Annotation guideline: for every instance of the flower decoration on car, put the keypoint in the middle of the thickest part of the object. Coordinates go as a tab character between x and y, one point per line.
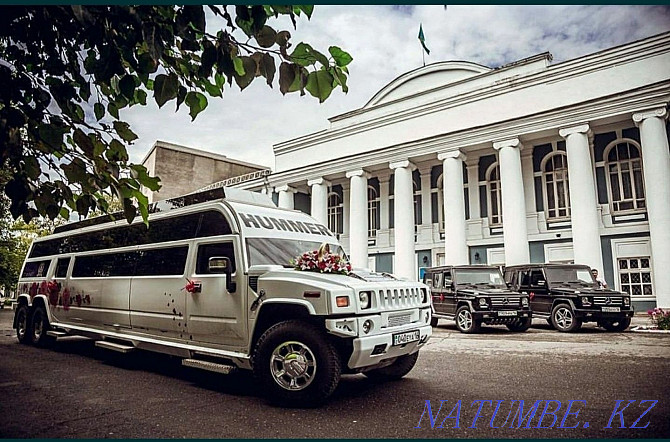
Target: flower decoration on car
322	261
191	286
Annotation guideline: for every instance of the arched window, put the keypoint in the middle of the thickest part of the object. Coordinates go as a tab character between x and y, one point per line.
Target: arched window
624	176
335	213
373	211
555	185
494	194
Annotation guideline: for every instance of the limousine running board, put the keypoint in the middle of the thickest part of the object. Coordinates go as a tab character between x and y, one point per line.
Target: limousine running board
56	334
209	366
114	346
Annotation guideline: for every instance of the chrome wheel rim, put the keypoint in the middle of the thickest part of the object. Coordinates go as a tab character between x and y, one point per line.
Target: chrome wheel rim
564	317
37	325
465	320
22	324
293	365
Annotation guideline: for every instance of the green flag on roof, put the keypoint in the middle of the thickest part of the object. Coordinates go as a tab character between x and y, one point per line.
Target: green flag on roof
422	39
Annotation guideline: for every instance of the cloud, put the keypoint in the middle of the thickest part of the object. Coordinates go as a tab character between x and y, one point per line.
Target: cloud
383	42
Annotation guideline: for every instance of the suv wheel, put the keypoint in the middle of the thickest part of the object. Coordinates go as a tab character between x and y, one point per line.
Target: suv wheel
23	324
397	370
465	322
563	319
295	364
520	325
615	325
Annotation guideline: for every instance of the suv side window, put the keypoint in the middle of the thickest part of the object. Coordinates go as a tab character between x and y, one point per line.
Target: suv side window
447	279
537	279
525	278
436	280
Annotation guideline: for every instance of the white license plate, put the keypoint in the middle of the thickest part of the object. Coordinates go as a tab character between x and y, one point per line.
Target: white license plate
507	313
612	309
406	338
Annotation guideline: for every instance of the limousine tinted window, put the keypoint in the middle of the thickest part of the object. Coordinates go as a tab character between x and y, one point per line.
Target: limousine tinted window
164	261
109	264
196	225
36	269
61	267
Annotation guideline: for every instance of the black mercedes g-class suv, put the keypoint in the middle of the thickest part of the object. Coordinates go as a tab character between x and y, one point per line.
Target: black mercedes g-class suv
472	295
567	295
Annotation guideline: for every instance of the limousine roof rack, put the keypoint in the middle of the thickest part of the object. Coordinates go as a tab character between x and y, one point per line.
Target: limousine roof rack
178	202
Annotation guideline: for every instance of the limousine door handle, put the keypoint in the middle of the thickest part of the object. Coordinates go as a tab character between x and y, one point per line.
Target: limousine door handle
197	287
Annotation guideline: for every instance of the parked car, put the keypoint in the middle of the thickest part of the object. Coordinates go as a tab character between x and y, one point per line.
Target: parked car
567	295
472	295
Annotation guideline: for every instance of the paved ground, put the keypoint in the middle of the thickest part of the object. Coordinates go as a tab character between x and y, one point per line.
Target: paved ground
78	390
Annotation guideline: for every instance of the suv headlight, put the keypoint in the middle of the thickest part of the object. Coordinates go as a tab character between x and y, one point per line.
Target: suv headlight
524	302
482	302
424	296
364	298
585	300
626	301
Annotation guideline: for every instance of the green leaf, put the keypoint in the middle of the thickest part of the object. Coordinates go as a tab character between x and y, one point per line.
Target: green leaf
307	9
32	167
129	210
146	64
341	57
286	77
123	130
266	37
113	110
219	80
84	143
282	38
320	84
305	55
51	135
249	68
267	68
340	78
64	213
140	173
165	88
140	97
127	86
212	89
239	66
196	102
116	151
99	111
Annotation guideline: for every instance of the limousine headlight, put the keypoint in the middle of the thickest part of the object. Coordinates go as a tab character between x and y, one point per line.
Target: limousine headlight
364	298
586	301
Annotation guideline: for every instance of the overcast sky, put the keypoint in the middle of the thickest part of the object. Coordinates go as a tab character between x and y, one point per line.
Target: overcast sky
383	42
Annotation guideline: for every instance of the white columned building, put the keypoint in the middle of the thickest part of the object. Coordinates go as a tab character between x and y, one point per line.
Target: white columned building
319	203
358	209
515	230
404	219
583	208
286	200
455	233
565	162
656	160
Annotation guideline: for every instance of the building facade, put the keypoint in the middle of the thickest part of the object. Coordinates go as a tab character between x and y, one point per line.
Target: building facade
460	163
184	170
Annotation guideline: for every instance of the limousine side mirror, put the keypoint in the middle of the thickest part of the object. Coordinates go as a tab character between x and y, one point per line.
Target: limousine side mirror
222	264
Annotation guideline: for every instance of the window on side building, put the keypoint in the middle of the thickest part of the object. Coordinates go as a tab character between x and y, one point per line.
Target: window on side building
555	180
625	177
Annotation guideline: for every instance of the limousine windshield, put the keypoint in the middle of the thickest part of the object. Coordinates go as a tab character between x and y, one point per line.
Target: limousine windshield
280	251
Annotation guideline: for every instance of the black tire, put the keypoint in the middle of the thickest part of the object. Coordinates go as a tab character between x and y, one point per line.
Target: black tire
563	319
433	321
309	351
551	324
403	365
520	325
39	326
615	325
465	322
22	324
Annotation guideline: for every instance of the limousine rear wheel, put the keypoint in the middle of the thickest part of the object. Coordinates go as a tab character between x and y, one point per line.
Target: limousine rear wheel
23	324
39	325
563	319
296	364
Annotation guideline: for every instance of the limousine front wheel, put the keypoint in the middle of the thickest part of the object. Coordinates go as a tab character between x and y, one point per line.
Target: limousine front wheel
296	364
22	324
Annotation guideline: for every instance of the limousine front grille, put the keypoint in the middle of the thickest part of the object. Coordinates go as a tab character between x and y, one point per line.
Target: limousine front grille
607	300
393	299
397	321
508	301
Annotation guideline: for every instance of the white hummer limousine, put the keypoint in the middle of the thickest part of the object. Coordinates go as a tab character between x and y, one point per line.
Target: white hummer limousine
211	281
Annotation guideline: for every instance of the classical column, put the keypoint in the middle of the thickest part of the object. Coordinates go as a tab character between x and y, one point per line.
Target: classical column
455	244
656	166
384	202
319	209
345	210
358	218
472	165
515	232
285	196
403	211
583	204
426	215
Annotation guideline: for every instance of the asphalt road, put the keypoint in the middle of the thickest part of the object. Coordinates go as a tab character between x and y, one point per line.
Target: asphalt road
78	390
